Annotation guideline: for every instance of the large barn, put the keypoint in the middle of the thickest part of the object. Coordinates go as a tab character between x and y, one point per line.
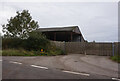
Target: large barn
67	34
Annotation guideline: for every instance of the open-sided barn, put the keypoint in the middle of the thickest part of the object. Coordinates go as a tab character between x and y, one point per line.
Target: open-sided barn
67	34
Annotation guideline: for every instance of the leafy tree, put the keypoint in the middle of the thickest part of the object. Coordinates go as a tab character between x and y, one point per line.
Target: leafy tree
20	25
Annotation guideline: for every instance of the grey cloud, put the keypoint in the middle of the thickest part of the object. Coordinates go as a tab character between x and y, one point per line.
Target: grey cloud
97	21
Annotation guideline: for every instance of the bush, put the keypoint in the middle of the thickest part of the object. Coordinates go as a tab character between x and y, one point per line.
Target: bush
30	46
36	41
11	43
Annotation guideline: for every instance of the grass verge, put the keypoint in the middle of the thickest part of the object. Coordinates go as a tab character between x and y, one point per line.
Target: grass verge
14	52
115	58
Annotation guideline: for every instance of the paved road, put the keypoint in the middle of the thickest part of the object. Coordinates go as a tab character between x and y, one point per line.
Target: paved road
91	64
18	70
57	67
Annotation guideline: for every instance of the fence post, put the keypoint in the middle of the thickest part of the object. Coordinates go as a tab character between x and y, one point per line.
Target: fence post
113	47
64	47
85	48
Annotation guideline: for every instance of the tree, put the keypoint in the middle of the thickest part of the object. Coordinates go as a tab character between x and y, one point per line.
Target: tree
20	25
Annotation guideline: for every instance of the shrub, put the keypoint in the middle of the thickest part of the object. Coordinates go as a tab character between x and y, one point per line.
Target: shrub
36	41
11	43
30	46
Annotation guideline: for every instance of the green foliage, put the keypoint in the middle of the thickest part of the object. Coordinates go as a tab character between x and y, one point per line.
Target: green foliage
22	52
20	25
30	46
115	58
11	43
14	52
53	50
36	41
20	34
11	52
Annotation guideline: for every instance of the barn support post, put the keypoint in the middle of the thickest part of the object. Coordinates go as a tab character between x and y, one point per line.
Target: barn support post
71	36
55	36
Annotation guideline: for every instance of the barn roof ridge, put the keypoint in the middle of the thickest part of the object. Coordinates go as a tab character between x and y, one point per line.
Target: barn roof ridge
59	27
67	28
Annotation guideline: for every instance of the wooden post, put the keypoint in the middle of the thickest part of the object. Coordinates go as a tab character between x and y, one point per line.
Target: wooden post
55	36
71	37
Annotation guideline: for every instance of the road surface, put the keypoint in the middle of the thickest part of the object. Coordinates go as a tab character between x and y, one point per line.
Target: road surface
51	68
17	70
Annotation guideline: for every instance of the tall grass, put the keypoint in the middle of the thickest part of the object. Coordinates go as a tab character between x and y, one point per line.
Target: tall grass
22	52
14	52
115	58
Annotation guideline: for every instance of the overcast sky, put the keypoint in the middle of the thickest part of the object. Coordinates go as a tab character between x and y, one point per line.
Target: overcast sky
97	20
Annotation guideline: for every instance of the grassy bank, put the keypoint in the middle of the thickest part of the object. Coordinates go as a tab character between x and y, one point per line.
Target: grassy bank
115	58
14	52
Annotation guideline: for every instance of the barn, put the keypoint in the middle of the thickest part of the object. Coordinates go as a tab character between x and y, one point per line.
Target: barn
67	34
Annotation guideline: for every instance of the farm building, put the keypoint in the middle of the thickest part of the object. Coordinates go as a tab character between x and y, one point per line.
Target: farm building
66	34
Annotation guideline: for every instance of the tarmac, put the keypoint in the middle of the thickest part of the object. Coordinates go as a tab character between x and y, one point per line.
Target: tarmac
92	64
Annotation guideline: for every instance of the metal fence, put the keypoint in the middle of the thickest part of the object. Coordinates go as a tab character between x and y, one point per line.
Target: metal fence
89	48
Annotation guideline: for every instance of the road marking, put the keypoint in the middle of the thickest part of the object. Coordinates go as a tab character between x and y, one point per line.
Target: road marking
15	62
39	67
116	79
77	73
